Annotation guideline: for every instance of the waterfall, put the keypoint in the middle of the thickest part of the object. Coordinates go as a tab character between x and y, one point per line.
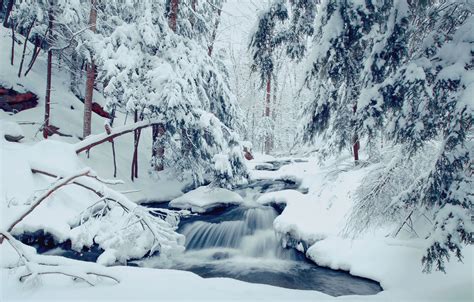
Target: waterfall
251	235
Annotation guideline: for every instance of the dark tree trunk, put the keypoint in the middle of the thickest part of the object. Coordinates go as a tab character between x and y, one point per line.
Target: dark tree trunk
90	79
24	46
268	138
35	54
355	142
47	101
12	56
136	141
7	12
173	15
214	33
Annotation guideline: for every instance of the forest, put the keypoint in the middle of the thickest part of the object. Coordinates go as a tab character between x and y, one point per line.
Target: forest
236	150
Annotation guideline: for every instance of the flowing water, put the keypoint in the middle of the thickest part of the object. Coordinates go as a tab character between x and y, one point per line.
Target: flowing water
240	243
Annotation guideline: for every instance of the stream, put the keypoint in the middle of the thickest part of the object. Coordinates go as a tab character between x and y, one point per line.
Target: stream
236	242
240	243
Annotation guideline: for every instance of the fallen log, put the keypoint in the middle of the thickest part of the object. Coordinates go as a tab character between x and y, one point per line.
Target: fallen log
12	101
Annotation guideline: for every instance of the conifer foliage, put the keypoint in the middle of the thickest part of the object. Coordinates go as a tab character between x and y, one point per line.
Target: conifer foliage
402	72
151	60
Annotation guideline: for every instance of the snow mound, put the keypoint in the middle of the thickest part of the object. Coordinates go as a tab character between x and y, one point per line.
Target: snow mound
10	128
205	199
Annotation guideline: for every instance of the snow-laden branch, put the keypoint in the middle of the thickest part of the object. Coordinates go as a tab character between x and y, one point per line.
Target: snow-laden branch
94	140
38	200
33	265
162	228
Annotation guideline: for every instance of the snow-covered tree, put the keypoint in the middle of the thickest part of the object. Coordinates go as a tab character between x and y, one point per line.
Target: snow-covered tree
417	93
401	71
169	77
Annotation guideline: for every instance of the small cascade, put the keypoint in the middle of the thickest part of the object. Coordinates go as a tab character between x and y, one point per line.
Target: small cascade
251	234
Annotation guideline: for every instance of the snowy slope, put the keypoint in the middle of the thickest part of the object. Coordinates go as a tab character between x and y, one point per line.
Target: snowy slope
67	114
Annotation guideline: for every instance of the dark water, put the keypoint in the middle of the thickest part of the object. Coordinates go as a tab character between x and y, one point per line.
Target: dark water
240	243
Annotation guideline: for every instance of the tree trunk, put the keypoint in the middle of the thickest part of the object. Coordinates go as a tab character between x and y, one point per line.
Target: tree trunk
173	15
90	79
47	101
7	12
34	55
214	33
24	46
136	135
268	139
192	19
355	142
12	56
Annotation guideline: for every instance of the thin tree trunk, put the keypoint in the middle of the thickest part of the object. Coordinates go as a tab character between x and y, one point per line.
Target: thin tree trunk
173	15
114	158
214	33
12	56
7	12
24	46
90	79
34	55
267	113
47	101
137	133
355	142
36	52
108	130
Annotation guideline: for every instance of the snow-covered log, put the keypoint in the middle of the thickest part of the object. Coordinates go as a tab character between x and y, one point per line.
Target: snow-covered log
94	140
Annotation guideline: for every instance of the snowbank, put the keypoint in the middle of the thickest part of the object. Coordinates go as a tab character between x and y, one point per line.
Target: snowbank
205	199
140	284
396	264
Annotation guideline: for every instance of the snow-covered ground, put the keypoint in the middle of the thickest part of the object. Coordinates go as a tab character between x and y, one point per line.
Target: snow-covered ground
316	219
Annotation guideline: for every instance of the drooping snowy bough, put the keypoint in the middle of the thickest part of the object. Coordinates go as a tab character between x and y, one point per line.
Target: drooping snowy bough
122	228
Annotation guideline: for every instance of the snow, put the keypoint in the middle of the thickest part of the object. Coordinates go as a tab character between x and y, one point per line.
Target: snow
316	218
317	222
10	128
205	199
396	265
139	284
281	197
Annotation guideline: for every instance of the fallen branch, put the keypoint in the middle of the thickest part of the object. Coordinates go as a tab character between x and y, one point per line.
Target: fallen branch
60	183
94	140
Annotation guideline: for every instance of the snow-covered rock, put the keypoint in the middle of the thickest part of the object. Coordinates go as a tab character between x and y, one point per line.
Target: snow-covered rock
280	197
10	128
205	199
